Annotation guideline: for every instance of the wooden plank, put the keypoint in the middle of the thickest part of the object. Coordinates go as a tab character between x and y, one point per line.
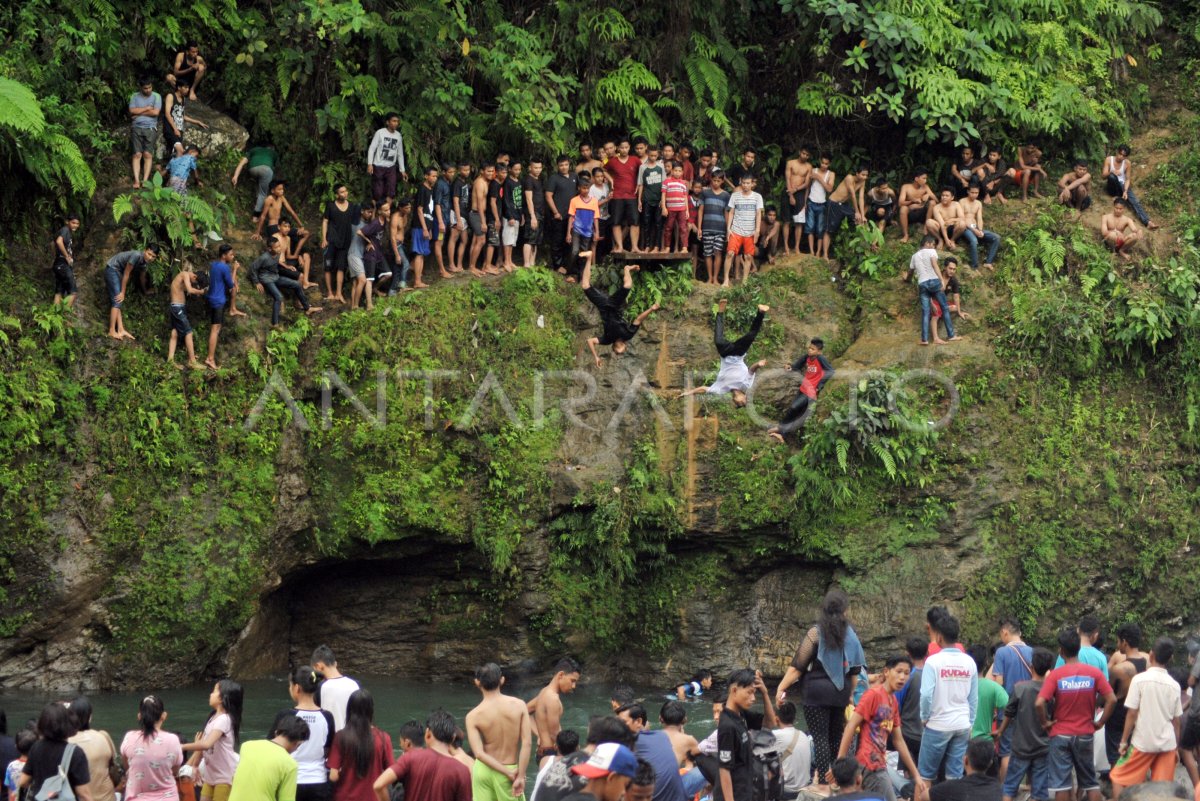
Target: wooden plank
653	257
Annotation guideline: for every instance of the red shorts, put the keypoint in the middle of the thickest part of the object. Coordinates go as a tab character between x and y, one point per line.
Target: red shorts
740	244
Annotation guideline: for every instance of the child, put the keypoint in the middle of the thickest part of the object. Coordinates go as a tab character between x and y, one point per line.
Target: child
817	371
1030	742
601	192
273	208
651	176
397	278
1030	170
219	741
878	718
221	285
582	219
25	740
294	256
181	286
674	207
881	203
768	241
695	204
703	680
182	167
64	262
1120	231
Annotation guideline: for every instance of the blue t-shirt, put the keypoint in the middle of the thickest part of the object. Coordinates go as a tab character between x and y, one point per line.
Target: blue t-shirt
441	197
1090	655
654	746
139	100
1009	665
715	204
182	166
220	284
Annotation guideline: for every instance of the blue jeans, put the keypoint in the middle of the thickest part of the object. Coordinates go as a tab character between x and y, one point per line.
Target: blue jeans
693	782
1136	205
938	746
814	219
273	288
990	239
932	290
1039	781
1069	752
112	279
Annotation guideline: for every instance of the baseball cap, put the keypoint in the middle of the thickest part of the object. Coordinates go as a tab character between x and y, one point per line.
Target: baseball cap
608	758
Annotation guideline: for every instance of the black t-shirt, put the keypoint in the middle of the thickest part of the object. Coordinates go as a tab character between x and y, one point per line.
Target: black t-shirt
43	762
514	200
496	193
65	233
735	752
997	170
462	190
976	787
8	750
562	188
425	205
560	784
953	287
340	231
535	185
739	170
857	796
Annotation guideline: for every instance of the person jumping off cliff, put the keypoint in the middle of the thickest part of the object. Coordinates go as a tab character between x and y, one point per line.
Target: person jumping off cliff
734	377
817	372
617	332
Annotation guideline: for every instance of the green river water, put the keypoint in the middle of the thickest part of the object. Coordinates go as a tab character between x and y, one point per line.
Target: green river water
396	702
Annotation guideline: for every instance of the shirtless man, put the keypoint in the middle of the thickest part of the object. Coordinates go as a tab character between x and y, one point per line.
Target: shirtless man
848	200
479	200
1030	170
1120	231
915	199
181	287
546	707
947	221
798	177
189	67
974	232
672	716
1074	188
273	208
1125	663
499	733
587	162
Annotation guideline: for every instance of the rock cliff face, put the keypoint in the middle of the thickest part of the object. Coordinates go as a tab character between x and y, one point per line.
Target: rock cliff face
648	535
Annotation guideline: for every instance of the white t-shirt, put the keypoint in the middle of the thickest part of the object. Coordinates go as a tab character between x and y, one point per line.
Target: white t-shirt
817	193
310	756
1156	697
600	192
734	374
745	212
797	766
922	263
335	693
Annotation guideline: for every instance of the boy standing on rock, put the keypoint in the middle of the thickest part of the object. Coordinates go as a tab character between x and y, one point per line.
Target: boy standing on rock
499	733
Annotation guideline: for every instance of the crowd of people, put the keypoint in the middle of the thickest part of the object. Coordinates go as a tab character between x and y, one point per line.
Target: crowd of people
941	721
625	197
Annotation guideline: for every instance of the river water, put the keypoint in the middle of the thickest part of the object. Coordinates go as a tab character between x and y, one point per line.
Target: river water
396	702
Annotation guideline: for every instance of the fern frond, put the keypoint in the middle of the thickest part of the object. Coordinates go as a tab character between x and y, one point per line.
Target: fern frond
843	454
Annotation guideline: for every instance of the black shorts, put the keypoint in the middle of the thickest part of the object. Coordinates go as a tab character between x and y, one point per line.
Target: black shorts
1190	734
64	280
475	223
493	234
216	314
322	791
838	213
917	214
179	319
532	236
623	212
336	259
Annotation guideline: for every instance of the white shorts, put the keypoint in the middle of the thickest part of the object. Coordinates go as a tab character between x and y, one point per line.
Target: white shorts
798	219
453	218
355	267
510	232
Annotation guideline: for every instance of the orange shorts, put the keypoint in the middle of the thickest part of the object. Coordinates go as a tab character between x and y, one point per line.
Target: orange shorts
1133	770
740	244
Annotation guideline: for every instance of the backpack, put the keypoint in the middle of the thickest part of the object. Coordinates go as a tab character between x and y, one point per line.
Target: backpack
58	787
765	768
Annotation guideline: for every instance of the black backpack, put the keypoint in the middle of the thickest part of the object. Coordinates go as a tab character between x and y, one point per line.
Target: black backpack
765	767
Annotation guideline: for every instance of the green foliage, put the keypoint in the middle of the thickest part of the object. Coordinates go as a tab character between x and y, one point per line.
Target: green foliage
160	214
38	146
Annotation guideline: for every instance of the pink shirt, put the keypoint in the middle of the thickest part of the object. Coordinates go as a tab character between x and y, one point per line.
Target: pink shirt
220	761
152	764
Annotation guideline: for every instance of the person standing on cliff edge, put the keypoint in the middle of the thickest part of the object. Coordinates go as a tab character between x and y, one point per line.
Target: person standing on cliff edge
499	733
335	689
546	707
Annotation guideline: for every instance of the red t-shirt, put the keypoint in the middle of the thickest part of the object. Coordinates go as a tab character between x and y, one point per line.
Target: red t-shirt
430	776
350	786
1074	688
624	177
881	716
675	191
934	648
